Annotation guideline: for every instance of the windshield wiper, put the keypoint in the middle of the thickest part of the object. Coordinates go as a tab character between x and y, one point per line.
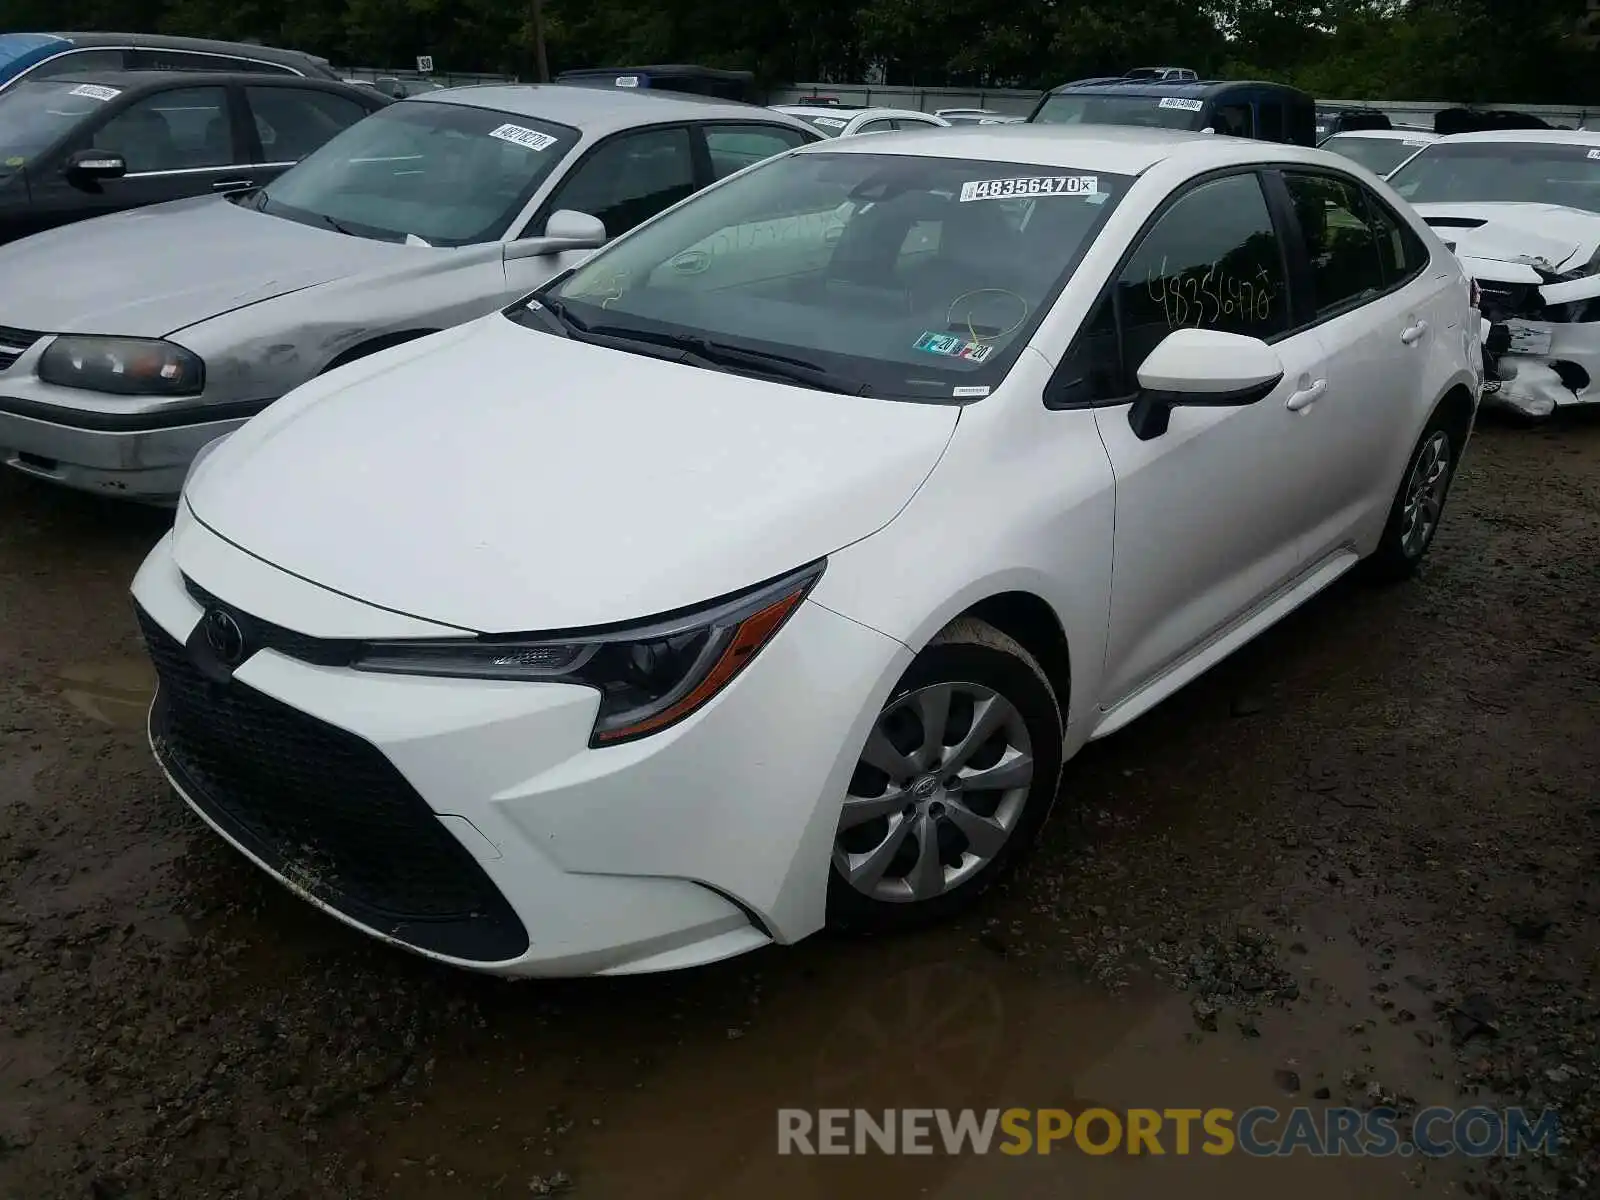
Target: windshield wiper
762	362
335	226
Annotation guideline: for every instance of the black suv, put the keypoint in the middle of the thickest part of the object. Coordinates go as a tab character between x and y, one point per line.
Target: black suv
1271	112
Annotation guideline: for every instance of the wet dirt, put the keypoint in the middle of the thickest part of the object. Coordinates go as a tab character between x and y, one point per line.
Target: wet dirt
1304	880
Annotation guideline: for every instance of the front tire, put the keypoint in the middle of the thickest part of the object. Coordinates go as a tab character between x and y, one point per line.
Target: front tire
957	776
1418	504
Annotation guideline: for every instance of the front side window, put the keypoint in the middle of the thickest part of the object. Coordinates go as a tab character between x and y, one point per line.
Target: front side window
291	122
1340	238
893	275
1517	172
630	178
1270	125
1213	261
181	130
1235	120
735	147
448	174
1378	155
1162	112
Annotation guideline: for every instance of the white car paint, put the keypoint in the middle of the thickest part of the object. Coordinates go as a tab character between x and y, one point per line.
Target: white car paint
848	122
576	485
1553	363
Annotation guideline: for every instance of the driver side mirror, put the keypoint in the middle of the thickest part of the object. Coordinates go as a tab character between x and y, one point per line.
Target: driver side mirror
1201	367
566	230
93	166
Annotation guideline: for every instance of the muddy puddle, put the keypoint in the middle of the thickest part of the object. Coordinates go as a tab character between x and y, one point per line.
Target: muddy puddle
689	1110
115	693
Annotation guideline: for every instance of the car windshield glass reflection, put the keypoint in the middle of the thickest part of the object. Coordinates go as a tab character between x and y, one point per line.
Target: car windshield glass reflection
447	174
1161	112
1521	172
888	275
35	114
1378	155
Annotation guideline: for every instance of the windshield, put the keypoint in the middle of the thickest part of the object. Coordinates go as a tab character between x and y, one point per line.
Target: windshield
445	173
1163	112
1378	155
37	113
1522	172
915	278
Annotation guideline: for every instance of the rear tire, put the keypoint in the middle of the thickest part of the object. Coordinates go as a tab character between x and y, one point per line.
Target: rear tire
1418	504
957	777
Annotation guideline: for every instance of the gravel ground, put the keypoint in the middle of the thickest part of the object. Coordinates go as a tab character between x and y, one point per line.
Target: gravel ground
1355	863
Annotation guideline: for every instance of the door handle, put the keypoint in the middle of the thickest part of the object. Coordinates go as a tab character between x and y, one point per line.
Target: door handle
231	185
1307	396
1412	334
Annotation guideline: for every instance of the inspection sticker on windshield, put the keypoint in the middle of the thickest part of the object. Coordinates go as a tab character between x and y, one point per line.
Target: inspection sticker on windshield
530	139
1181	102
952	346
95	92
830	122
1038	185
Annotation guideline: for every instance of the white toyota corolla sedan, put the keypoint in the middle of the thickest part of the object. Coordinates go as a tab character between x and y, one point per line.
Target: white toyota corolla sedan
759	574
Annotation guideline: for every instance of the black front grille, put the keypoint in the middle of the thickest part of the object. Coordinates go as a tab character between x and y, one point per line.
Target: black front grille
323	808
14	343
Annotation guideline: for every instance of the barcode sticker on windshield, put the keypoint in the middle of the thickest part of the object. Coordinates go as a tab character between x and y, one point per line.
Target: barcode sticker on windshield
95	92
1594	154
1037	185
830	122
1181	102
530	139
1415	142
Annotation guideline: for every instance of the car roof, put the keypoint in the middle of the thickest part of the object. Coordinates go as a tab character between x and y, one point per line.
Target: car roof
1386	135
162	41
600	111
1196	89
1557	137
1114	149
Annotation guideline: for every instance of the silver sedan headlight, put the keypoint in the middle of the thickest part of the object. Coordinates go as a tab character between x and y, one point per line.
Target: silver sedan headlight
122	366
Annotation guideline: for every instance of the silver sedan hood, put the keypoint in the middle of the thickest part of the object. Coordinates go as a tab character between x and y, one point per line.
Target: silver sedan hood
152	271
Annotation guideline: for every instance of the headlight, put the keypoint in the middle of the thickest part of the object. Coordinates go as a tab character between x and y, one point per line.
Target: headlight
122	366
649	676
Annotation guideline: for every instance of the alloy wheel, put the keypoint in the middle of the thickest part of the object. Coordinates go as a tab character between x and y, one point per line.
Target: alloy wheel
937	793
1425	492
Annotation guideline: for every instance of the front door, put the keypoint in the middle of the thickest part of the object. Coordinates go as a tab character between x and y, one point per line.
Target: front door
1209	514
177	142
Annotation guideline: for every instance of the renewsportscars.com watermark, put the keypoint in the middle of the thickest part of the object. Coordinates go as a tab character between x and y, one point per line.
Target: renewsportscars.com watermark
1260	1132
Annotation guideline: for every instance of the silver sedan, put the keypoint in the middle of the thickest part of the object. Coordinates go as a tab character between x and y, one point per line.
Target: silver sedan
129	342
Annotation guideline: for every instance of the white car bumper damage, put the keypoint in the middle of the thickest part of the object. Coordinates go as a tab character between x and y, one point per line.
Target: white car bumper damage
1540	295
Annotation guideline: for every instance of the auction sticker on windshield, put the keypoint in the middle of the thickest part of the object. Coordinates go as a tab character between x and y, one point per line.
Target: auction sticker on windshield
95	92
1180	102
530	139
1594	154
830	122
1038	185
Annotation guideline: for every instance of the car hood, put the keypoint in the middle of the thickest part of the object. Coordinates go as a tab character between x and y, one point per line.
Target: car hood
500	479
1550	235
152	271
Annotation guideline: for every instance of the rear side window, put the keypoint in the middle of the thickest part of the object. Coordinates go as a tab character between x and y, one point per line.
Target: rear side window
1401	252
735	147
291	122
1235	120
1341	242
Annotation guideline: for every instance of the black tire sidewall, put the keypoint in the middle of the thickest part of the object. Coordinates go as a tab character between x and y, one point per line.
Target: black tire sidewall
1021	683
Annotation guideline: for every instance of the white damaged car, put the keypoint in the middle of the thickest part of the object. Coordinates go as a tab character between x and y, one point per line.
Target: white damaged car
1521	209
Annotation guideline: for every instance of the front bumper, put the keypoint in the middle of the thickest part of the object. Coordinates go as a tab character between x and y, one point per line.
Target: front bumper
133	456
469	821
1536	384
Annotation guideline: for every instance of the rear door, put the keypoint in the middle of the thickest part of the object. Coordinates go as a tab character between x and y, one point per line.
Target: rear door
178	141
1377	307
284	123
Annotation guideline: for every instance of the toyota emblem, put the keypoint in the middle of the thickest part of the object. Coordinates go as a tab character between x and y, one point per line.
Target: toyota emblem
224	637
